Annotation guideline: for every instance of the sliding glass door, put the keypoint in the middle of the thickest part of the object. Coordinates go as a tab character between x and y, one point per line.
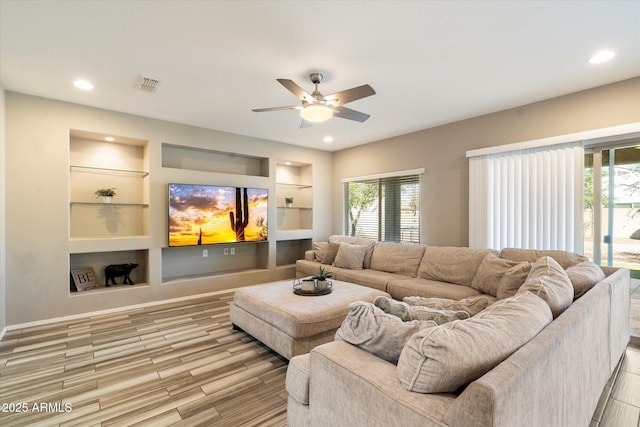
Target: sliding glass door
612	207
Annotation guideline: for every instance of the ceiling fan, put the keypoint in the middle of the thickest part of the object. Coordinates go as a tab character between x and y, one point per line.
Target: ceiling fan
316	108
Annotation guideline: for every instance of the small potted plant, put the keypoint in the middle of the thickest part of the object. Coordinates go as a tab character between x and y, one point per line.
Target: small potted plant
321	279
288	202
106	194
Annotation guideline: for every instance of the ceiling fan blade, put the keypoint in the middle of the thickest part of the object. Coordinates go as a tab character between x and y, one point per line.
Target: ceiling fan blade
305	124
350	95
296	90
291	107
348	113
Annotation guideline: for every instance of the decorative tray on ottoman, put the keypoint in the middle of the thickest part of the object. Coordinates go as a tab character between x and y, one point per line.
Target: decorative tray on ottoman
309	287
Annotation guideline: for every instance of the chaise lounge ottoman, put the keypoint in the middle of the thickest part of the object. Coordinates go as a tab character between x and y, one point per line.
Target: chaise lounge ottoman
293	324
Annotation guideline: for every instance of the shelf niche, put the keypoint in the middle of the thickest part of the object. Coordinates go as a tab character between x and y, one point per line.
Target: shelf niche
293	180
289	251
98	163
189	262
99	260
198	159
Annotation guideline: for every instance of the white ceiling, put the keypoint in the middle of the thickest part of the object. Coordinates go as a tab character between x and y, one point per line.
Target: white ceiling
430	62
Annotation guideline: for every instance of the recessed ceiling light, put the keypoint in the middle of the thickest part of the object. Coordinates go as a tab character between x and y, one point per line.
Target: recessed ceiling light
328	139
109	138
602	56
83	84
288	163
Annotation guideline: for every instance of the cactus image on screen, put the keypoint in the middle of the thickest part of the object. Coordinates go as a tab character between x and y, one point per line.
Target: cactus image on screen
241	220
208	214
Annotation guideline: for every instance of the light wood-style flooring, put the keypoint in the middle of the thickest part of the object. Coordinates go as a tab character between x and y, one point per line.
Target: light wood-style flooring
179	364
173	364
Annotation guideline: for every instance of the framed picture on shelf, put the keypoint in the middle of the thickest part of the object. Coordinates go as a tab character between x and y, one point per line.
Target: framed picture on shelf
84	278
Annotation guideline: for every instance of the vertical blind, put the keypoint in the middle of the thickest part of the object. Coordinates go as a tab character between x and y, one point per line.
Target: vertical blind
384	209
528	198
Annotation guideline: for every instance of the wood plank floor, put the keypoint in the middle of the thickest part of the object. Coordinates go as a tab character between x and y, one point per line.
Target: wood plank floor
172	364
178	364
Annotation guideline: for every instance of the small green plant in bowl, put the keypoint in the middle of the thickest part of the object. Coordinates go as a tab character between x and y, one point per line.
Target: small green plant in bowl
322	275
106	192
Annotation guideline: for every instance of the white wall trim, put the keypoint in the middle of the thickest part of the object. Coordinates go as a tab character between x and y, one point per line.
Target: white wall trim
560	139
385	175
108	311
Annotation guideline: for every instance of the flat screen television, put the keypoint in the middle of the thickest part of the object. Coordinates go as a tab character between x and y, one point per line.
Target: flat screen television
208	214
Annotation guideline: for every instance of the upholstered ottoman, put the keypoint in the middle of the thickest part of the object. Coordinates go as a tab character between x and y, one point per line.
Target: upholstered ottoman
293	324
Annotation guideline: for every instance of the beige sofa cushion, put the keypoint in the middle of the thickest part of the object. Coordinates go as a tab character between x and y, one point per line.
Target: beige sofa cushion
512	279
382	334
360	241
565	259
408	287
451	264
444	358
319	249
472	305
584	276
350	256
400	258
549	281
330	252
490	272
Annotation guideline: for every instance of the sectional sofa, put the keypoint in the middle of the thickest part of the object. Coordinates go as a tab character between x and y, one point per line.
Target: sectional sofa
554	378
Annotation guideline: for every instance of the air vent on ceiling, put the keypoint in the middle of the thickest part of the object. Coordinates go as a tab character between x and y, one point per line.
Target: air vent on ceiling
146	84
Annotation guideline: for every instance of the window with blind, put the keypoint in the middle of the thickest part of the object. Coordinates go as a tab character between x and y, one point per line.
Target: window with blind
385	208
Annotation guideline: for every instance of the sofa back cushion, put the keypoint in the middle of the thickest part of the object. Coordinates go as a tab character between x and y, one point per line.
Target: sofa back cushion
361	241
565	259
400	258
548	280
490	272
452	264
443	358
584	276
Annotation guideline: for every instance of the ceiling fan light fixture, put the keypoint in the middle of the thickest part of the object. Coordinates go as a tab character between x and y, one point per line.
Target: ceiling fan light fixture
316	113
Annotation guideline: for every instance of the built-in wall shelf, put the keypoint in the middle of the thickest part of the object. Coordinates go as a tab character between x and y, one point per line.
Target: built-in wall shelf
106	171
102	234
200	159
104	290
143	205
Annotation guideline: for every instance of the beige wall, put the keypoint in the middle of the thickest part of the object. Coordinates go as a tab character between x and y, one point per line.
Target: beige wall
3	252
37	204
441	150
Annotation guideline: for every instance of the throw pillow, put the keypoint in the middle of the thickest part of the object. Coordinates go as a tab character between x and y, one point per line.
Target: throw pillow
350	257
384	335
583	277
408	313
330	253
444	358
490	272
549	281
319	249
513	279
472	305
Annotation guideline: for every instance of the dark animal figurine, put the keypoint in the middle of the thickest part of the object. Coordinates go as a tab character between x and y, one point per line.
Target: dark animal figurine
118	270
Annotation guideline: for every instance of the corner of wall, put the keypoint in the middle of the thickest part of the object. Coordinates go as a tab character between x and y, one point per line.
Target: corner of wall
3	246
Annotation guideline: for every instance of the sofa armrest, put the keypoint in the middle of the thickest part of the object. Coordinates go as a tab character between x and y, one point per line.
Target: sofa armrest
349	386
297	380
